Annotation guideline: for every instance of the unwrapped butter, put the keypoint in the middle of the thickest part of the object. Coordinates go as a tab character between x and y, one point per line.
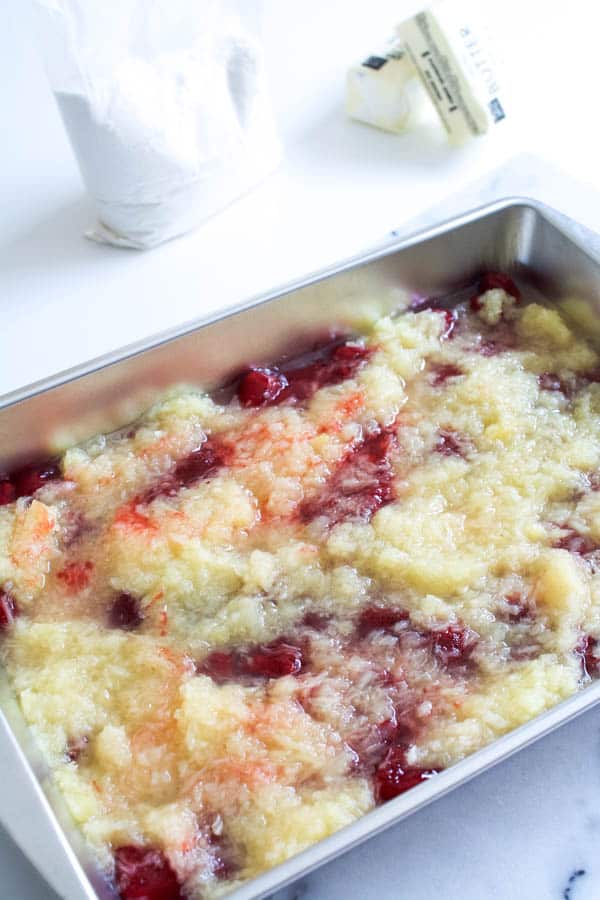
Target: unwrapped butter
385	90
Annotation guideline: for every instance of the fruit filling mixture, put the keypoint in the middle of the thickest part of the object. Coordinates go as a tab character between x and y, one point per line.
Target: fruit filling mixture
239	625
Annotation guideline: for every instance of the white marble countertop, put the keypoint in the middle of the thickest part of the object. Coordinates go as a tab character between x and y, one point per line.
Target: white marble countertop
530	828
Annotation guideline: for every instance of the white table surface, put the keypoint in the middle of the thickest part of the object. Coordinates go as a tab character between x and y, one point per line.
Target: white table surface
522	830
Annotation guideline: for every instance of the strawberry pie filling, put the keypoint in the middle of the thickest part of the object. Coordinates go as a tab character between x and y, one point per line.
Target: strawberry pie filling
244	622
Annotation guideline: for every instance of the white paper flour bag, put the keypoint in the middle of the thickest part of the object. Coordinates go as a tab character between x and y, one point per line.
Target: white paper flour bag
166	106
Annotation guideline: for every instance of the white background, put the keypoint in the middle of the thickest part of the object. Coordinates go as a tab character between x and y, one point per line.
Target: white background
517	832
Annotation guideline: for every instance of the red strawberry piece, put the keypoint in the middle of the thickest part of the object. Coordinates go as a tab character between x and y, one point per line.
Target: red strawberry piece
524	651
76	747
74	526
386	678
550	381
450	319
394	776
125	613
274	660
221	666
443	372
575	543
258	386
224	862
360	486
144	873
388	731
315	620
475	303
519	608
28	480
453	646
491	348
201	464
589	651
346	359
498	280
371	744
8	610
400	730
433	305
7	491
224	858
590	377
332	366
380	618
223	867
451	443
328	364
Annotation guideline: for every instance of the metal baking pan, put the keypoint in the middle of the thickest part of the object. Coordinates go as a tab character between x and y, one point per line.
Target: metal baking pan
514	235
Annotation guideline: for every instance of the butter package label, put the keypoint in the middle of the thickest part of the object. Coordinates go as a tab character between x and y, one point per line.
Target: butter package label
451	52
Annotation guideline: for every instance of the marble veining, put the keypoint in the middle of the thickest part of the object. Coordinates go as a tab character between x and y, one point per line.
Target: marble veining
571	883
528	829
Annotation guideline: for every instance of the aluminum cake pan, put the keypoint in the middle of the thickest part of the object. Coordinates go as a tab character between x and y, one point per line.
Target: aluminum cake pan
513	235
